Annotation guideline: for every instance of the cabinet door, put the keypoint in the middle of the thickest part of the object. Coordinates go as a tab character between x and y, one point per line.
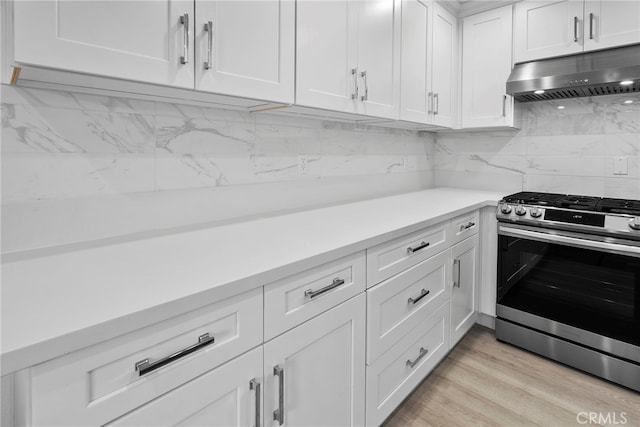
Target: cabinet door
246	48
463	295
445	30
320	370
379	58
611	23
326	61
147	41
486	65
417	43
226	396
545	29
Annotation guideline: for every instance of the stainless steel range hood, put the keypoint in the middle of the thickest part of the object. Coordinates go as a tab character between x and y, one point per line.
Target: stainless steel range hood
586	74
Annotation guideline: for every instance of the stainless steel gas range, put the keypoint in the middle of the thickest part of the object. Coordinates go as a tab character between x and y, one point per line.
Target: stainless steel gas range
569	281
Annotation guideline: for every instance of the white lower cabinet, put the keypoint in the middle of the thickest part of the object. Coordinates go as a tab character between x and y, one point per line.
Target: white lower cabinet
227	396
315	373
398	371
463	293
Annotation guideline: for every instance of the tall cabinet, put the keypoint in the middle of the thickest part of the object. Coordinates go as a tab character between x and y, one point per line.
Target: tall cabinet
347	56
429	45
486	65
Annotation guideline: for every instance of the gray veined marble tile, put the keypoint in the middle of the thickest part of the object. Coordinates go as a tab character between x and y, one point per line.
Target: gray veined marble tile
285	168
588	185
34	176
495	163
180	135
23	130
565	165
181	171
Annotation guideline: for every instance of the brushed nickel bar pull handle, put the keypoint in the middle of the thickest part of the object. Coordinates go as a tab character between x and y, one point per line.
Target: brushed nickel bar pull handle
422	245
354	73
423	293
469	225
575	29
208	27
366	87
430	103
591	16
456	280
144	366
504	105
312	294
255	385
422	354
184	20
436	100
278	414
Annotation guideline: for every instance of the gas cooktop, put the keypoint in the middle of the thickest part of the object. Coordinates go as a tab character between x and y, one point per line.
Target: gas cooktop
575	212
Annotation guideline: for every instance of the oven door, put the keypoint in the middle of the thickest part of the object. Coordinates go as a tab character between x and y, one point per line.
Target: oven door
582	288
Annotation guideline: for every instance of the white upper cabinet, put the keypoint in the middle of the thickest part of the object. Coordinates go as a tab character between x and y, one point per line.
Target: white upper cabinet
348	56
429	50
556	28
146	41
545	29
445	48
611	23
486	65
417	44
379	35
246	48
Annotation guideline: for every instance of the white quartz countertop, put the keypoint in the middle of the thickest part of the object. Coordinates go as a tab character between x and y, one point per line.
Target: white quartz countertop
60	301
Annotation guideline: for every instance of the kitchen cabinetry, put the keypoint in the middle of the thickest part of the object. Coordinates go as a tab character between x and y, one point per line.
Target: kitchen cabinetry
429	46
486	65
236	48
315	373
463	294
139	40
556	28
226	396
246	48
353	64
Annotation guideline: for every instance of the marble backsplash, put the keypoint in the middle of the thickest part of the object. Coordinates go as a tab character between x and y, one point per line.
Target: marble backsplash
566	150
65	145
78	167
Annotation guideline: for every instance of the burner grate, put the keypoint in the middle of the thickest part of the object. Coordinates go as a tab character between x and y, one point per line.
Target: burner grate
620	206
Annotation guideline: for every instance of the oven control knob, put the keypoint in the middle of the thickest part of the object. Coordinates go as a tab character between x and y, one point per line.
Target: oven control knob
535	212
635	223
521	210
505	209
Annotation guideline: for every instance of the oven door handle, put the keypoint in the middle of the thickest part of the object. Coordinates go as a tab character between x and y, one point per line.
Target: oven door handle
597	245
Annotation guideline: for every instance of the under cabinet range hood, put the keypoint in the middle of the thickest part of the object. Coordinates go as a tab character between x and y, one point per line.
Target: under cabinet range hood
606	72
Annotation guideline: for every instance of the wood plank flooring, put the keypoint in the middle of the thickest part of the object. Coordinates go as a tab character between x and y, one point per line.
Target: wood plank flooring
483	382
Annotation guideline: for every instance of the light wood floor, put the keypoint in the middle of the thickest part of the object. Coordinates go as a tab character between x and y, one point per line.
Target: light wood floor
487	383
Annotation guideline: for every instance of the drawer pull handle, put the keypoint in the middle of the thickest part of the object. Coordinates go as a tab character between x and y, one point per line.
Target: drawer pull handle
423	293
278	414
467	226
312	294
456	270
422	354
255	385
144	366
417	248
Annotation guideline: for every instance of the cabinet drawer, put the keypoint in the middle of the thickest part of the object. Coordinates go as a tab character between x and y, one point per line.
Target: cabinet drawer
98	384
293	300
464	226
398	304
223	395
397	372
389	258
